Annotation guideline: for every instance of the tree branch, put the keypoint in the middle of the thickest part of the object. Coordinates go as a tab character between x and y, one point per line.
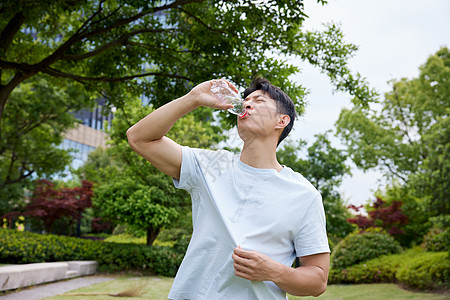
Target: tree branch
10	30
58	53
403	118
6	90
200	21
25	128
153	48
11	165
10	65
107	16
85	23
113	43
28	126
159	49
395	173
58	73
22	176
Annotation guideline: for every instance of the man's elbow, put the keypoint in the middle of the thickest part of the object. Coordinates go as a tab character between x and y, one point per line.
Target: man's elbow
131	138
314	289
320	289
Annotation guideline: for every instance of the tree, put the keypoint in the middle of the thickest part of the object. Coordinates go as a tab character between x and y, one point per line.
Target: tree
49	204
431	181
105	44
100	164
83	50
38	113
413	207
408	138
324	166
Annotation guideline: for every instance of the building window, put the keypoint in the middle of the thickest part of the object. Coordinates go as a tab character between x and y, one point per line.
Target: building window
77	150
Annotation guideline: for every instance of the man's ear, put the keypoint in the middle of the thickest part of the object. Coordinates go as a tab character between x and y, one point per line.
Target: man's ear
283	121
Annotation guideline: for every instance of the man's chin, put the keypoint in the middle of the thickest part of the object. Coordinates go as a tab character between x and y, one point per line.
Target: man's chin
246	134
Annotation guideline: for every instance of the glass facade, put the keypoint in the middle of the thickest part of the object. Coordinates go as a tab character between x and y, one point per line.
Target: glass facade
89	135
78	151
97	117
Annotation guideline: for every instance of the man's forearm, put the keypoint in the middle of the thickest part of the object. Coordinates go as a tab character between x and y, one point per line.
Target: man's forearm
161	120
302	281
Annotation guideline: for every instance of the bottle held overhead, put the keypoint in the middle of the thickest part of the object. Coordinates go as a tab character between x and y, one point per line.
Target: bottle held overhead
223	92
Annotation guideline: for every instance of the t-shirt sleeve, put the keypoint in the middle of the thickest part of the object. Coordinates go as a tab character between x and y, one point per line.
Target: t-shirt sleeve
190	170
312	236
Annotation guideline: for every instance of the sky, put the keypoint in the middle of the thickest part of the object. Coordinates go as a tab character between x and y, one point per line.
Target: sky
394	37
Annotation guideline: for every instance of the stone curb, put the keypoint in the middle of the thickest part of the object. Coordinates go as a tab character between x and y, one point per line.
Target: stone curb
19	276
53	289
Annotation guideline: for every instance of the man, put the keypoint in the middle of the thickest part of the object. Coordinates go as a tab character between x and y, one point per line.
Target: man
251	215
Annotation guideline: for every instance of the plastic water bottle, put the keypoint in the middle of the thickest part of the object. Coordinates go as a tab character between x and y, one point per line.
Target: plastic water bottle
223	92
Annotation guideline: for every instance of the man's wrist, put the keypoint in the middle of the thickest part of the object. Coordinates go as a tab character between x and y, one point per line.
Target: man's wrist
280	272
190	102
277	271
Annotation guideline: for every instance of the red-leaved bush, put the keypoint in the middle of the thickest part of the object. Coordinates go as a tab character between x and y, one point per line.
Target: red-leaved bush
388	217
49	204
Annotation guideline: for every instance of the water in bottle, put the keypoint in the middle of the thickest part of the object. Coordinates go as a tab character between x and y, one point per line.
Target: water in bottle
223	92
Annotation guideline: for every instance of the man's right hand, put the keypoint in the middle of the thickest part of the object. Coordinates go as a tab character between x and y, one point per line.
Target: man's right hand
203	96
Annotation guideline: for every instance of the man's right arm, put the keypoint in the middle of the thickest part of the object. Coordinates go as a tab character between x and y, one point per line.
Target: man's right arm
147	137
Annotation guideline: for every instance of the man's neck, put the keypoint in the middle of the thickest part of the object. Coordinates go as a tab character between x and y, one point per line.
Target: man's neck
261	155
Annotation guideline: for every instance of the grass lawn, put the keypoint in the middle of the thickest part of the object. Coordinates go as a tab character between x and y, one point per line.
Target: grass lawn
156	288
372	292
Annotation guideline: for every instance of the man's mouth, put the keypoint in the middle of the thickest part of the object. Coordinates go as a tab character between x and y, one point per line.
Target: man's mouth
244	115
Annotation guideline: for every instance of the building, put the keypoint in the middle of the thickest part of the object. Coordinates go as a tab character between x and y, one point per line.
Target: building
89	134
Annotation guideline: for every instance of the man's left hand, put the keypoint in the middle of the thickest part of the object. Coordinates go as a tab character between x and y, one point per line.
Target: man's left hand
255	266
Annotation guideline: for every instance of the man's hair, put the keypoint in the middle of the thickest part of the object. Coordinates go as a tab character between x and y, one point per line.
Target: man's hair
284	103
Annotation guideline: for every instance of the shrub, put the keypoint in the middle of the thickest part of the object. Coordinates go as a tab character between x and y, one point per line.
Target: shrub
413	268
389	217
438	238
381	269
428	271
359	247
25	247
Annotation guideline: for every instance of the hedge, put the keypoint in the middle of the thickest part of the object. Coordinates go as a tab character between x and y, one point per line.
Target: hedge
359	247
414	268
18	247
431	270
438	238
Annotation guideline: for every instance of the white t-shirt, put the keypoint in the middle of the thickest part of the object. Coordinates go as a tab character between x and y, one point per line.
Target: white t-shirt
279	214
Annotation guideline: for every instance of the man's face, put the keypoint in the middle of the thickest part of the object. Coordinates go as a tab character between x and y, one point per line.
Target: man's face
262	116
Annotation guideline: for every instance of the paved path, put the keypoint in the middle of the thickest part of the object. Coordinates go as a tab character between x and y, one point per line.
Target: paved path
52	289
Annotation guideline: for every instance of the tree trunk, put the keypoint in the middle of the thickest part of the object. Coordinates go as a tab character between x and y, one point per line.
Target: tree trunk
78	234
5	90
152	233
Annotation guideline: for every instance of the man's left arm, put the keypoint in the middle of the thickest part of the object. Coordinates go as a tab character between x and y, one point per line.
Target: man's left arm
308	280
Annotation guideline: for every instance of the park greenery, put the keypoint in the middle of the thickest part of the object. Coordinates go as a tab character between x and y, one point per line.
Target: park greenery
408	139
59	57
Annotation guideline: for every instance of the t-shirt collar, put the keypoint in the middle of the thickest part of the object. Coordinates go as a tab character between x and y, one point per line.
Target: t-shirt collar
253	170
